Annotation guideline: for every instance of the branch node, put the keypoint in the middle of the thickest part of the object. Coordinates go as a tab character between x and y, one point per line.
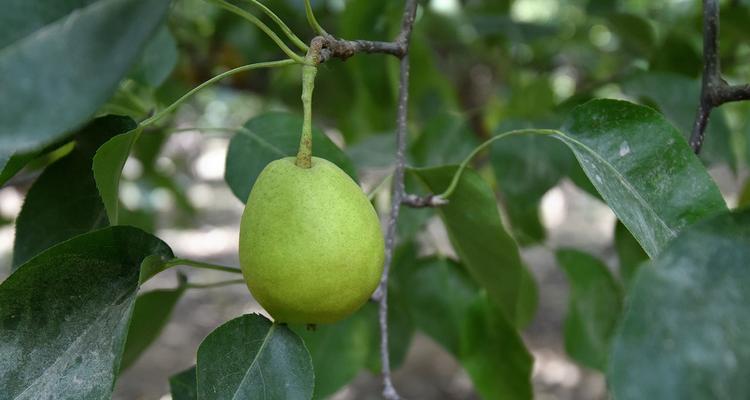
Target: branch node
415	201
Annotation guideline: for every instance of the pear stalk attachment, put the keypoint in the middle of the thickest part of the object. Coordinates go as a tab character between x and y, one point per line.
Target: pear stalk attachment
304	155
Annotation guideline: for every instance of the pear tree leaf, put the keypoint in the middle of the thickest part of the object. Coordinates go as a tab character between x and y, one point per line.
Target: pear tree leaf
486	249
593	308
250	357
643	168
59	63
629	253
183	385
108	163
65	315
685	333
150	315
64	201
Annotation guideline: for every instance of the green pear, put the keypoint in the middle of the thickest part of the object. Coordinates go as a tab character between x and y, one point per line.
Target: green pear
311	248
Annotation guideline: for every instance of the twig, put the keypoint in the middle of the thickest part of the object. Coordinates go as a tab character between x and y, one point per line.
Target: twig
402	42
714	90
415	201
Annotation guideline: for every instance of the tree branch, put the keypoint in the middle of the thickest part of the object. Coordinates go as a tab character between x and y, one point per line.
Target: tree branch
415	201
714	90
389	392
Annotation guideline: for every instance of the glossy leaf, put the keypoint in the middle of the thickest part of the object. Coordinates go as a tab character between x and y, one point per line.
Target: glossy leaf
643	168
677	97
59	64
686	327
593	308
474	227
108	163
64	201
267	138
629	253
183	385
251	358
65	315
150	315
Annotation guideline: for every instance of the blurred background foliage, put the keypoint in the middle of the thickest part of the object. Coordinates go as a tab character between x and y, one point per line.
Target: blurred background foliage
479	68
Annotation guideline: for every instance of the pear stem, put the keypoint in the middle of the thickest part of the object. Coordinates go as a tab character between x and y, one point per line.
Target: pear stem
309	70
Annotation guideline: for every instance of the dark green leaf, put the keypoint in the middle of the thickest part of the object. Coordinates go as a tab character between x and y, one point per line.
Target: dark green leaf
376	151
477	233
677	97
446	139
643	169
251	358
629	253
65	315
526	167
158	59
686	327
493	354
11	164
183	385
150	315
64	201
446	304
339	351
108	163
59	64
593	308
267	138
440	297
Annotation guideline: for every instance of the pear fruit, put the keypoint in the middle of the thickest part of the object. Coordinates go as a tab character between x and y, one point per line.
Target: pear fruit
311	248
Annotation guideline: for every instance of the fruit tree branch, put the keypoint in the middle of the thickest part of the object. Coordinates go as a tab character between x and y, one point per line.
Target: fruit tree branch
415	201
714	90
389	392
325	47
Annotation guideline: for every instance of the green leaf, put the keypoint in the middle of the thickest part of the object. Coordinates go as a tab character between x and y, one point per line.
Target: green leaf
629	253
593	308
11	164
64	201
526	167
446	304
183	385
339	351
251	358
686	328
440	297
493	354
643	168
267	138
65	315
150	315
108	163
677	97
158	59
477	233
446	139
59	64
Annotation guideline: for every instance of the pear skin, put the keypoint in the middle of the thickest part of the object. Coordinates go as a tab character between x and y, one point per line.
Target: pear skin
311	246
